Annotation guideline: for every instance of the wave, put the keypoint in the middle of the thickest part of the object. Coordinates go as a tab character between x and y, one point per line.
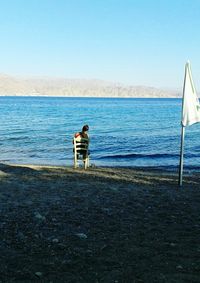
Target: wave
147	156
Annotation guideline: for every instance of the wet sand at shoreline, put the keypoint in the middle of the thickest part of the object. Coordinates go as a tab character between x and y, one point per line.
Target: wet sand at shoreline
60	224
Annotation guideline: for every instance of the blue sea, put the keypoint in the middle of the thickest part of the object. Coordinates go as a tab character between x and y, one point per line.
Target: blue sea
126	132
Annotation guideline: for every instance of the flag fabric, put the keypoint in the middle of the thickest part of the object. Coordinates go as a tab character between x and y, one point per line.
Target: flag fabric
190	105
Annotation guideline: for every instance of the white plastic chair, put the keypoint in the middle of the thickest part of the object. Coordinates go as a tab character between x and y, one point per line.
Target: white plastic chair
81	146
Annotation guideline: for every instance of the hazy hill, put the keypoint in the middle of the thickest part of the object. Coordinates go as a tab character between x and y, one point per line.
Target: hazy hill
67	87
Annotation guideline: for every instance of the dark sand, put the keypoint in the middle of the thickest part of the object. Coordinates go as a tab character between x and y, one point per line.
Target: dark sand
100	225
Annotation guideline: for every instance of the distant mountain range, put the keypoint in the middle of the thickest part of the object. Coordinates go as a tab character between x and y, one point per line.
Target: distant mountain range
15	86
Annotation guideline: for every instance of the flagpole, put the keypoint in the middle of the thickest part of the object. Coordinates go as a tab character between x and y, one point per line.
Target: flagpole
181	156
182	133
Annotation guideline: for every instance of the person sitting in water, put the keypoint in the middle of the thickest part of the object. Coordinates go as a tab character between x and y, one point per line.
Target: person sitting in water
85	140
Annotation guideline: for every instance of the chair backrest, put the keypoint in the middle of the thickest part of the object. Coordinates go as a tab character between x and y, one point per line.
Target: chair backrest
81	144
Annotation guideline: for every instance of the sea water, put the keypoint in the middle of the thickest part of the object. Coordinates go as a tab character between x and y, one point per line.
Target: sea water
128	132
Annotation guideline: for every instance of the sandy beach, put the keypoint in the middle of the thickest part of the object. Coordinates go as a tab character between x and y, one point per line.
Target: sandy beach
60	224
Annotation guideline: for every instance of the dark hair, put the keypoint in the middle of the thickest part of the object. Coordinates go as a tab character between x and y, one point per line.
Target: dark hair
85	128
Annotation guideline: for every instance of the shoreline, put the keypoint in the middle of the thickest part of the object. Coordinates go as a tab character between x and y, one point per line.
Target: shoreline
125	173
162	169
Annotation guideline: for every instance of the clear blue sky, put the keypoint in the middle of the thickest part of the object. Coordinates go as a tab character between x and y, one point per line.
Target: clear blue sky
138	42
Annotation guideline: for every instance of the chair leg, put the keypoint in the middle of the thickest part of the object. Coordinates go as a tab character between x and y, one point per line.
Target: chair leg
75	160
88	161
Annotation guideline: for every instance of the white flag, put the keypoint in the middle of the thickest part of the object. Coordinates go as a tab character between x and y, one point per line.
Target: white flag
190	107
